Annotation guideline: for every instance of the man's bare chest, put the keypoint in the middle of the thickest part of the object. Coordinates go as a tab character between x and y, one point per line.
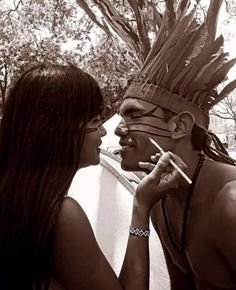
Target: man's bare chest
201	260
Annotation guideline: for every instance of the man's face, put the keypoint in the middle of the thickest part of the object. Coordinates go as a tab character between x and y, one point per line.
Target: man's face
141	120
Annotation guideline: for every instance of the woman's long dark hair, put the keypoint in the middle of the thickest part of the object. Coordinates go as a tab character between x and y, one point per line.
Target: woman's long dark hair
41	134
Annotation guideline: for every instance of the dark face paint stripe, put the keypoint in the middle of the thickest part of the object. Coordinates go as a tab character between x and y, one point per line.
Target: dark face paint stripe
148	125
90	130
164	136
149	114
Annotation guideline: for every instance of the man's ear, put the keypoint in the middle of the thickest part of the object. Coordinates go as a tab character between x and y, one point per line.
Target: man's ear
181	125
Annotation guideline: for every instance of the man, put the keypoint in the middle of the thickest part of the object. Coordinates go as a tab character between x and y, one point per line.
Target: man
169	101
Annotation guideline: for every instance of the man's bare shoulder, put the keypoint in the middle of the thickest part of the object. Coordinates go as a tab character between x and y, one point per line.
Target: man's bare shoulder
225	200
223	217
215	178
215	169
219	183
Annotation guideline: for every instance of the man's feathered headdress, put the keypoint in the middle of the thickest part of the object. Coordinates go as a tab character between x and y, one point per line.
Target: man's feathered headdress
185	65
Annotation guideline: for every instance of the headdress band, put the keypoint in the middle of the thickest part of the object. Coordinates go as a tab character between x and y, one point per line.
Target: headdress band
168	100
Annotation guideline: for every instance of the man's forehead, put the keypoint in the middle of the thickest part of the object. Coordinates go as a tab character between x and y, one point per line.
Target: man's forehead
135	104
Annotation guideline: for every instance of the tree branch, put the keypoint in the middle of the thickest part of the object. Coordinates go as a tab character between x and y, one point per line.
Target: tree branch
115	19
16	7
145	45
92	16
220	116
119	25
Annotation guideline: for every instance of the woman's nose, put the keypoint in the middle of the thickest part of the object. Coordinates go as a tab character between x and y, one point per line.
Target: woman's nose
121	129
103	131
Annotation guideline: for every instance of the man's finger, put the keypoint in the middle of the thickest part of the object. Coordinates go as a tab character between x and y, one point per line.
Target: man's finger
146	165
161	166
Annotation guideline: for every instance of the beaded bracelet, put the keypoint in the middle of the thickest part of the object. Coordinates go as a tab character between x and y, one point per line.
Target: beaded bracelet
138	232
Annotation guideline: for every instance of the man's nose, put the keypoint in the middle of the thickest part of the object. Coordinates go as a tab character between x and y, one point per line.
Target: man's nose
121	129
103	131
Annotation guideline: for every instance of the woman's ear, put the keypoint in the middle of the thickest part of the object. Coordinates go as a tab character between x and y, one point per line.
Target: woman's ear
181	125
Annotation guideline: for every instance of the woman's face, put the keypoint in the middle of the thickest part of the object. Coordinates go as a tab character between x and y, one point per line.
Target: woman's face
90	150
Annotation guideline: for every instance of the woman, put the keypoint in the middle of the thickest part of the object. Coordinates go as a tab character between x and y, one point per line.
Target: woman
50	128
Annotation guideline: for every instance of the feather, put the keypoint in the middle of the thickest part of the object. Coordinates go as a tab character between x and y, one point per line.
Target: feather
203	98
170	12
228	89
158	43
206	72
171	41
221	74
213	67
195	64
204	57
185	48
161	73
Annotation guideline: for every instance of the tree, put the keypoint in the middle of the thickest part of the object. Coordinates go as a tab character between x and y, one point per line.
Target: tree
36	31
226	109
132	22
27	39
231	7
112	71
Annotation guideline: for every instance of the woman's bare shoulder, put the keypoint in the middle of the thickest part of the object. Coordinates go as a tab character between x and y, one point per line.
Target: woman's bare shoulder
72	220
75	250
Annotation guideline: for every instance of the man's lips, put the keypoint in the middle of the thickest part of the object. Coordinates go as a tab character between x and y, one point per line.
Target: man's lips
125	147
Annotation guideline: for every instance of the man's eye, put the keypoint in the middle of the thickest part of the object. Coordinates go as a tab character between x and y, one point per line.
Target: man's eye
136	115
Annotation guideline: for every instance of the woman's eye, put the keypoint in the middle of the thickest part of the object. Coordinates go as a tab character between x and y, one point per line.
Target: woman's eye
97	121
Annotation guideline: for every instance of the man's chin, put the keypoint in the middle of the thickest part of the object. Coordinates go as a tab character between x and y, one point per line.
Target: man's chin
129	166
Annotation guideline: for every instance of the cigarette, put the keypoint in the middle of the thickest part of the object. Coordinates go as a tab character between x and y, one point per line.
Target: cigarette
171	162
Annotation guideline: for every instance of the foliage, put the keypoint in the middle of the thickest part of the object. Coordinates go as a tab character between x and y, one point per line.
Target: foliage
32	33
49	30
107	62
231	7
